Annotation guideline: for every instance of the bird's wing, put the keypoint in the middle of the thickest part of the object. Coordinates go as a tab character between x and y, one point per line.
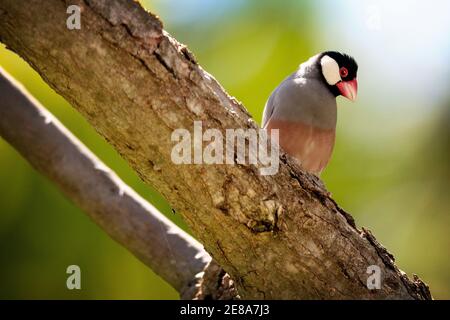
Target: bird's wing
284	99
271	102
268	110
304	100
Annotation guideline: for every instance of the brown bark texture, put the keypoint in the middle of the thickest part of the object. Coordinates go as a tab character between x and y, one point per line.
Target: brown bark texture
279	236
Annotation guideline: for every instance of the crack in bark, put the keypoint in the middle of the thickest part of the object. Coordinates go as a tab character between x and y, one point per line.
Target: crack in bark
160	58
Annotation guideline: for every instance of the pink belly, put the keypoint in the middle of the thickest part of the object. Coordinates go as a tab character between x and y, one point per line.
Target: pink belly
311	146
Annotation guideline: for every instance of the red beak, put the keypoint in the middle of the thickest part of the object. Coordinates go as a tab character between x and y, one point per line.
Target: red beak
348	89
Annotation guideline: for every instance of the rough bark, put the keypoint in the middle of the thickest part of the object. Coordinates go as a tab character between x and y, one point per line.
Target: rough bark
279	236
214	284
129	219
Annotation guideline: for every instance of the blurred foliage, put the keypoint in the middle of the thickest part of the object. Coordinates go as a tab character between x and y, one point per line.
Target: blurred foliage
389	169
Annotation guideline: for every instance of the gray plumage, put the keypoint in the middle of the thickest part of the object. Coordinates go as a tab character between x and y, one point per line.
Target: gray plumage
303	97
304	111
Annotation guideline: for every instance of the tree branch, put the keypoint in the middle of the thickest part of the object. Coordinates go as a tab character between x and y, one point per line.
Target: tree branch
279	236
130	220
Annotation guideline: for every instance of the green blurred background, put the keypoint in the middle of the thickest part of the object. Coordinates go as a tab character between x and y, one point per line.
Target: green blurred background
390	168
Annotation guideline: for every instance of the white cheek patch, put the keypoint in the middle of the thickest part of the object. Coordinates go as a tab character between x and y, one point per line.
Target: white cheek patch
330	70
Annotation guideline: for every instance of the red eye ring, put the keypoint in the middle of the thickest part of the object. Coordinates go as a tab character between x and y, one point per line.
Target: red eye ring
343	72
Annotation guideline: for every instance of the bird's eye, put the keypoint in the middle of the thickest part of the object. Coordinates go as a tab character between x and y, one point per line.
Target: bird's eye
343	72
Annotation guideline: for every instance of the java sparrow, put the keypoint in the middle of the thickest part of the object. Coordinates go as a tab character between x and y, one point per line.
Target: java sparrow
303	107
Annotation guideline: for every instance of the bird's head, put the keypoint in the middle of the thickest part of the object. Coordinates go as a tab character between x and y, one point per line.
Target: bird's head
339	72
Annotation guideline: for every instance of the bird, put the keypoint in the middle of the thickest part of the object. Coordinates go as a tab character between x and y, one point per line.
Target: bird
304	110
